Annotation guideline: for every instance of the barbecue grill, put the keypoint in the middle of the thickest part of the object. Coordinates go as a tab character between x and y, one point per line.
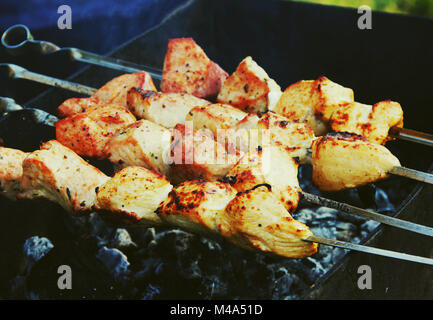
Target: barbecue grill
296	49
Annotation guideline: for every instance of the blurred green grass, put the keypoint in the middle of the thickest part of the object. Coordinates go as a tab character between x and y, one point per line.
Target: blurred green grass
414	7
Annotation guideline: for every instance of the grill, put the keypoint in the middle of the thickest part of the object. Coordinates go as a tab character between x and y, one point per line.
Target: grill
167	263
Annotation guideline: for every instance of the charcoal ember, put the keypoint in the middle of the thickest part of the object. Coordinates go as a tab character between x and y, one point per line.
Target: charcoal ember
34	249
282	283
345	230
150	293
99	229
122	240
90	278
142	237
115	261
214	287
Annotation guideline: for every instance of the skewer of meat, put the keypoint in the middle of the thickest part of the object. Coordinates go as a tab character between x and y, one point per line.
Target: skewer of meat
253	219
132	139
142	102
187	69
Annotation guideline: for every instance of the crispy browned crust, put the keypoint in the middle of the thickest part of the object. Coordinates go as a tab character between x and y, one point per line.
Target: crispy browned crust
76	105
115	90
88	132
187	69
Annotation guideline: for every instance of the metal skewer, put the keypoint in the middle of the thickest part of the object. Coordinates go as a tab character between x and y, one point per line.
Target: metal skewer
17	72
366	214
367	249
19	40
412	136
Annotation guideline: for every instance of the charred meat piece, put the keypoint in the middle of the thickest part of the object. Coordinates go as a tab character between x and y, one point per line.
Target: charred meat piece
76	105
215	116
115	90
313	102
187	69
197	205
372	122
57	173
88	132
165	109
11	171
196	155
255	219
345	160
133	195
142	143
249	88
272	166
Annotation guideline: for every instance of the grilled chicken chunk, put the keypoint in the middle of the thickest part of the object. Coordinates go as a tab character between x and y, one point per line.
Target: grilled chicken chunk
142	143
133	195
255	219
272	129
197	205
57	173
372	122
11	171
215	116
76	105
165	109
313	102
249	88
115	90
272	166
187	69
88	132
296	104
196	155
344	160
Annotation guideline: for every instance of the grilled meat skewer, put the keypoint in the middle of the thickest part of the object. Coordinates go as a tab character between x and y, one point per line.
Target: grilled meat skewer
253	219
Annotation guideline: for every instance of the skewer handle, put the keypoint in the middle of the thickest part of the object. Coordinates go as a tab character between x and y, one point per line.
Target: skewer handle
18	72
412	136
371	250
18	39
412	174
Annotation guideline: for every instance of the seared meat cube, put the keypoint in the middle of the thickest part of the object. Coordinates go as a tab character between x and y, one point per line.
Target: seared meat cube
165	109
313	102
345	160
57	173
11	171
115	90
255	219
88	132
250	89
196	155
197	205
215	116
253	132
272	166
187	69
76	105
296	104
372	122
133	195
142	143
